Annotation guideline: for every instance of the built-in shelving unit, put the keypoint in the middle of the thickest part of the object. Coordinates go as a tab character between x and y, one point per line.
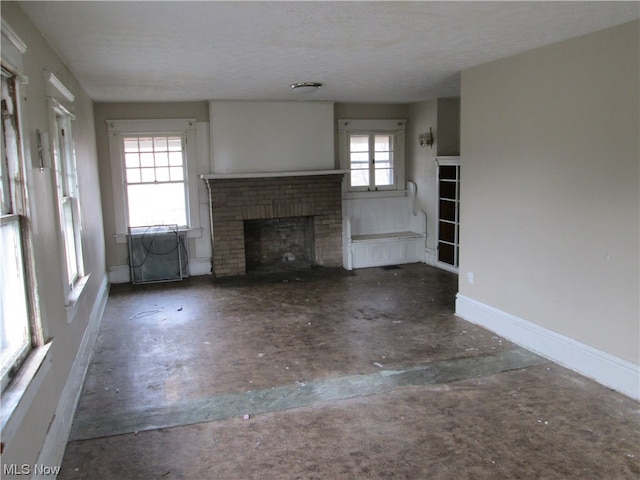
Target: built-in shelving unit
448	250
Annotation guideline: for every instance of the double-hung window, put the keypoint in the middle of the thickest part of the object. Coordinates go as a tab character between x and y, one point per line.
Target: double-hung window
372	151
15	325
64	159
153	163
155	179
68	199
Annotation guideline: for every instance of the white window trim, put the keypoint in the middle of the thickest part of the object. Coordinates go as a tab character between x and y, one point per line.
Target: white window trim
117	129
397	127
12	48
60	101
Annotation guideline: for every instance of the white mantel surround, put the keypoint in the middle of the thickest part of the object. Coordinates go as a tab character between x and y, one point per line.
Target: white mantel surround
302	173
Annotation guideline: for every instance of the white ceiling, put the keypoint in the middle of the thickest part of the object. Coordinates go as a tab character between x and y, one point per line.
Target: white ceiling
396	52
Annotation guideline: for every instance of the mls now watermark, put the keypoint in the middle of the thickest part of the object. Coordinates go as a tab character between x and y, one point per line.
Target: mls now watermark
26	469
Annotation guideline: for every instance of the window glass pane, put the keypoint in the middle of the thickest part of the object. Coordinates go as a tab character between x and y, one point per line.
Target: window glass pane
177	174
162	159
62	157
131	145
131	160
157	204
70	240
360	178
382	143
133	175
14	319
360	158
383	164
175	144
359	143
146	159
148	174
384	176
146	144
162	175
175	158
382	157
160	144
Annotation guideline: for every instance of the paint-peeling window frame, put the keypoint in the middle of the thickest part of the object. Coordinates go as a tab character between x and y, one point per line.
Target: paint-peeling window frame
15	322
25	374
18	289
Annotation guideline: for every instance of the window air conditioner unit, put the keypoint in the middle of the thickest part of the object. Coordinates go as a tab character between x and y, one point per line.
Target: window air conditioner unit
157	254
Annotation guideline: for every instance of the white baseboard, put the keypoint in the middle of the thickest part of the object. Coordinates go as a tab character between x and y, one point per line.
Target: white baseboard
119	274
199	266
430	256
56	440
610	371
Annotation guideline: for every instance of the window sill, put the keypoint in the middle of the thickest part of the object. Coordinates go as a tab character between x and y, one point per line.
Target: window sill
22	390
74	297
373	194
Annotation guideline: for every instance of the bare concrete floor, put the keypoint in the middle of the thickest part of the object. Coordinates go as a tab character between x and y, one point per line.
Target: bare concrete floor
332	374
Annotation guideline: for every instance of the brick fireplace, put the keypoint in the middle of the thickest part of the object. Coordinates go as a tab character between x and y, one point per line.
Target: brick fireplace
236	198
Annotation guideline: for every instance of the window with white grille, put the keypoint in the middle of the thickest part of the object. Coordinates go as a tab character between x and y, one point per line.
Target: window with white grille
156	180
372	152
64	163
371	160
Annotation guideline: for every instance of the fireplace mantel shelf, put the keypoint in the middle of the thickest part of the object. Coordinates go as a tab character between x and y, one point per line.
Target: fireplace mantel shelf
302	173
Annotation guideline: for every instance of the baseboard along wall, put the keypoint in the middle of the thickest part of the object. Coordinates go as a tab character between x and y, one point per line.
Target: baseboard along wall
609	370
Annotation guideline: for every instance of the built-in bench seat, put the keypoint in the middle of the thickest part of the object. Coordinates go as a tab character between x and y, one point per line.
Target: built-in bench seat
383	231
385	236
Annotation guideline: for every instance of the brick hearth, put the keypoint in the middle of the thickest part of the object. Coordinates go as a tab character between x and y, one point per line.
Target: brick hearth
234	200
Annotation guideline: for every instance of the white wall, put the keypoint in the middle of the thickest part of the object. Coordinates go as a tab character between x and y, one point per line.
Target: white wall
271	136
44	417
422	169
550	189
448	128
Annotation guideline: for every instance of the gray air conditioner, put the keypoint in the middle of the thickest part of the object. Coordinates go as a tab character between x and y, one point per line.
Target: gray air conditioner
157	254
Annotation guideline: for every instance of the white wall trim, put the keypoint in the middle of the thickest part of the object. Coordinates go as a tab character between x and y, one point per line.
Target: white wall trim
16	400
119	274
56	83
56	440
117	129
199	266
13	37
430	256
607	369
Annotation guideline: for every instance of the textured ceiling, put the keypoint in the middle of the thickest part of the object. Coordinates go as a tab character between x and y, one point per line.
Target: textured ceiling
361	51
